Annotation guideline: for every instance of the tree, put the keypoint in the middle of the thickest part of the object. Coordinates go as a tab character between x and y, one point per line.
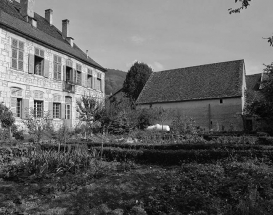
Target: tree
6	118
244	5
136	79
92	111
262	106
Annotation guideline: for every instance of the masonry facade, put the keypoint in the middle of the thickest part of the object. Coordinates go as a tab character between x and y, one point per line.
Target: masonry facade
213	94
41	68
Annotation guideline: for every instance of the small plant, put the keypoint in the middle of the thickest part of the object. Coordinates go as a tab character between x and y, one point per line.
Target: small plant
38	127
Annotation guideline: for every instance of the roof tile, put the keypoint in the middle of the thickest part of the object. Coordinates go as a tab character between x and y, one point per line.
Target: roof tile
217	80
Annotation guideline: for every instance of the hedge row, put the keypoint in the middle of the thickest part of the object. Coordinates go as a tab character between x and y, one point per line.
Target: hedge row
176	157
187	146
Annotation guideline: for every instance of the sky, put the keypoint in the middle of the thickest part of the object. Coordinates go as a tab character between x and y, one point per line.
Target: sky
167	34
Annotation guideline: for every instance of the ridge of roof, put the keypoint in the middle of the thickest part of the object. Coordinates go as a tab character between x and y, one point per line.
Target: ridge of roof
208	81
49	34
206	64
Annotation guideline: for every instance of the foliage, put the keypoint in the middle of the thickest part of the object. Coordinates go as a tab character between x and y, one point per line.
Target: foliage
227	187
92	112
245	4
6	117
175	157
41	162
38	127
262	107
183	125
136	79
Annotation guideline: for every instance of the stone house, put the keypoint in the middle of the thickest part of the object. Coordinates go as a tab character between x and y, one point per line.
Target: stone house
41	67
212	94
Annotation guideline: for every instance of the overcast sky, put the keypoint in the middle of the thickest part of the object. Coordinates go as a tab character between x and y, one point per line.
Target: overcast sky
167	34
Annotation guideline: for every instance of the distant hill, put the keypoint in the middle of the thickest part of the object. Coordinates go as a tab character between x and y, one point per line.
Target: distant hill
114	80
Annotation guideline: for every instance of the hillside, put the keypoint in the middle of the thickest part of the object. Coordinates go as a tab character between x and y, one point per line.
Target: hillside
114	80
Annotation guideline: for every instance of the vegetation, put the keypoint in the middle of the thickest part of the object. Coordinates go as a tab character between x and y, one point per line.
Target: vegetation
6	118
136	78
38	127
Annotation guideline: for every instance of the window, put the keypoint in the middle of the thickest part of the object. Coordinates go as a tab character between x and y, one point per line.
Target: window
79	78
17	59
89	78
79	74
39	62
69	72
221	101
99	86
67	111
57	65
38	108
19	108
56	110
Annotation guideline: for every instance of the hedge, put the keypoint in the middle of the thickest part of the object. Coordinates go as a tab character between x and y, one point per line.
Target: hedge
188	146
176	157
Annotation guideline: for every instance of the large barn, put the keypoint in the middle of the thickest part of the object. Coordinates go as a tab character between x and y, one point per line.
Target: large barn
212	94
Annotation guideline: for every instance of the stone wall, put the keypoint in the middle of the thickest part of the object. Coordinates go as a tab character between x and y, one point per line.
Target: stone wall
30	83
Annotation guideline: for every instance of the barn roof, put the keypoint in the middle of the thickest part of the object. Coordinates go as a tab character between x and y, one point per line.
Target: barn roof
216	80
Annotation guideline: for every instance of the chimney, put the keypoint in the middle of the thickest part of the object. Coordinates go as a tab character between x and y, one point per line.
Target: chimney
86	53
65	28
27	8
70	40
49	16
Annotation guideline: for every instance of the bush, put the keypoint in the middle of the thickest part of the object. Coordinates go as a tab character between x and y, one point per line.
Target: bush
265	141
176	157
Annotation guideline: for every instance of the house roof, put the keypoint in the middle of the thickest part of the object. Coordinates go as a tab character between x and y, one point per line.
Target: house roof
217	80
253	85
45	33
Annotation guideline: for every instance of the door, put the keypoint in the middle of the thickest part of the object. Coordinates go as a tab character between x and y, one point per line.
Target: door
68	111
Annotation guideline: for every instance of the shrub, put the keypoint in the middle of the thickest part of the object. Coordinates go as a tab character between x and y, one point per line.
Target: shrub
265	141
38	127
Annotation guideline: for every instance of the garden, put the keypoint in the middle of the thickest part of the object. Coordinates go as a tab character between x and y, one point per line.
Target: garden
110	164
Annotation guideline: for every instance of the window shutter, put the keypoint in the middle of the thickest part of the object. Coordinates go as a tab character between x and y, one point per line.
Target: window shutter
63	110
13	103
64	73
31	63
75	75
50	110
46	68
94	83
55	71
59	72
25	108
102	85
